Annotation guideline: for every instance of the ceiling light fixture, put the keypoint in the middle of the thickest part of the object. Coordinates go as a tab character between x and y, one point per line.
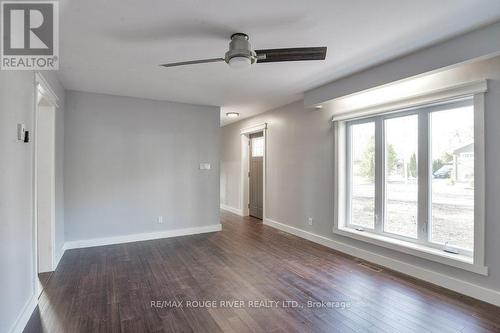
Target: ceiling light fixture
232	114
240	62
317	107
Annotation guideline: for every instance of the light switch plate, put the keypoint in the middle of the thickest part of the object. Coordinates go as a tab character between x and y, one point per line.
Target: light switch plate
20	132
204	166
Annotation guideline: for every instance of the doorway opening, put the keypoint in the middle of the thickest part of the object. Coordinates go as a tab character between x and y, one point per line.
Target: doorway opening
44	182
255	175
253	180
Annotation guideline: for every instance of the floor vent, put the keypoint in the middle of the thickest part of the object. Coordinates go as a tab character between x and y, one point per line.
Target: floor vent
370	266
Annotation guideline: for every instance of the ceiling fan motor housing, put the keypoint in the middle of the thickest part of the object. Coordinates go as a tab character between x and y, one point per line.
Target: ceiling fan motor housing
240	47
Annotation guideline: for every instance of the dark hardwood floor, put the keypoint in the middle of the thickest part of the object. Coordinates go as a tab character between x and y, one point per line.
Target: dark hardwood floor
111	289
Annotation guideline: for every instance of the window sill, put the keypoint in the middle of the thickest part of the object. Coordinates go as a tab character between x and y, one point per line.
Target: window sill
418	250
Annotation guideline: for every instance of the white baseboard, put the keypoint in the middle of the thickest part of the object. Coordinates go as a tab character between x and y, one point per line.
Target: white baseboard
140	237
236	211
59	255
24	316
445	281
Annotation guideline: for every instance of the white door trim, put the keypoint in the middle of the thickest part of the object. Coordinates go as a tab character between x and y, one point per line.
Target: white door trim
245	168
41	90
253	129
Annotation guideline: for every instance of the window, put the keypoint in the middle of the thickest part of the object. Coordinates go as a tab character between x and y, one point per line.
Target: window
401	176
452	185
362	166
257	146
410	180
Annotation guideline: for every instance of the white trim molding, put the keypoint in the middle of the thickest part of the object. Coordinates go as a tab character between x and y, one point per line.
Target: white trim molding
455	260
233	210
59	256
254	129
432	96
77	244
463	287
45	89
479	180
42	89
24	316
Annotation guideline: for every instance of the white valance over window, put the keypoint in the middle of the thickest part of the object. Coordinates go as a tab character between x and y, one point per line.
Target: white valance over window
426	98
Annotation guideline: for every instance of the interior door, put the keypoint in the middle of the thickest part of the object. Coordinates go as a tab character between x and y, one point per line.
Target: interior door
256	174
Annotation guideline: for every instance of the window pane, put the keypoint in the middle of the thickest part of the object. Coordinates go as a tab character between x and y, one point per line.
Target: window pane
401	185
363	175
452	158
258	147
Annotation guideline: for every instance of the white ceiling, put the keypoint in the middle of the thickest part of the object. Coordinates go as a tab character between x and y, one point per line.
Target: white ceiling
115	46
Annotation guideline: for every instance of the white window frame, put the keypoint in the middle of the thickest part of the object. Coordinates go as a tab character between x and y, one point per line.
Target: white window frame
422	105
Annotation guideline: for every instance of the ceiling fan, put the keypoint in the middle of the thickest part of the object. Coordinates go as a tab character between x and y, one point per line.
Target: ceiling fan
241	55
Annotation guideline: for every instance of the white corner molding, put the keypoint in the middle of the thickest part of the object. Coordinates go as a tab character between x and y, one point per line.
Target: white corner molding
435	96
233	210
45	90
24	316
253	129
77	244
449	282
59	256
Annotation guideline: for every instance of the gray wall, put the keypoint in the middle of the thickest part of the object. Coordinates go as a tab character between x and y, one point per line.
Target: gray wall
16	210
16	225
130	160
300	171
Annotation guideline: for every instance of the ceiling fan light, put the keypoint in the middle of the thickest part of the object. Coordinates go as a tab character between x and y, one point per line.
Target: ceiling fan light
240	62
232	114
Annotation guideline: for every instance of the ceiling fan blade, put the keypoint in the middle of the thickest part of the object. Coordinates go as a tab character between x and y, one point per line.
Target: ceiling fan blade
291	54
192	62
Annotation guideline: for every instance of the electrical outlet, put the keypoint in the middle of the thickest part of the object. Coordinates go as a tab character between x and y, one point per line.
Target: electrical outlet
310	220
205	166
160	219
